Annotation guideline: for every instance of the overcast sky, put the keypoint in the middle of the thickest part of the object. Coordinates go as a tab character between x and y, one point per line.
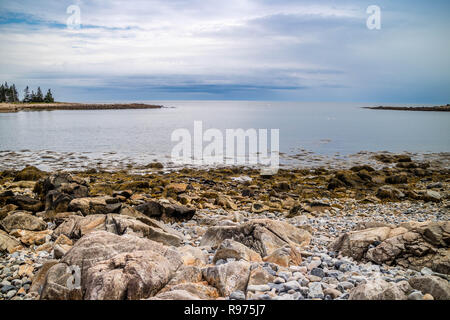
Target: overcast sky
296	50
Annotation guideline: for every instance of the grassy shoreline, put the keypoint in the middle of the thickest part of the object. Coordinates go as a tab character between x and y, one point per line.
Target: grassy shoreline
16	107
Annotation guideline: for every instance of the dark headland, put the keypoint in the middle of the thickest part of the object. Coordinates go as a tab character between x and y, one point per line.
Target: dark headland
445	108
15	107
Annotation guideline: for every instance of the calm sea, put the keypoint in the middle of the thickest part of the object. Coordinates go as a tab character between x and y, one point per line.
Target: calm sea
321	128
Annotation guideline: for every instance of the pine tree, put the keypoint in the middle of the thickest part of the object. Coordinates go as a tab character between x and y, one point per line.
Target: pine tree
2	93
49	97
39	95
33	96
14	94
26	95
7	92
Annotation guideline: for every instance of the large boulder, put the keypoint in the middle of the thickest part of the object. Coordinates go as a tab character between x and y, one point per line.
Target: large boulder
285	256
261	235
437	287
228	277
8	243
25	203
411	245
110	267
76	227
24	221
378	289
29	173
166	211
389	193
193	256
233	249
97	205
64	183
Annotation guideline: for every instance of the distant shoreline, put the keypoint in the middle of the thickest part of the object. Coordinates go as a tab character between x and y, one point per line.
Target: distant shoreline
435	108
16	107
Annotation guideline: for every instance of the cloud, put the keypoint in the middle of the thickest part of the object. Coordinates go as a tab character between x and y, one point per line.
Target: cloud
279	49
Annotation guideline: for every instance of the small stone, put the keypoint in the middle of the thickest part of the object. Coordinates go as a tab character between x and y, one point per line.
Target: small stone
315	290
279	280
11	294
260	288
318	272
333	293
416	295
7	288
237	295
428	297
292	285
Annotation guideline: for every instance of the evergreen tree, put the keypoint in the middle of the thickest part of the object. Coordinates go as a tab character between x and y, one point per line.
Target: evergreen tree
49	97
2	93
26	95
33	96
14	94
7	92
39	95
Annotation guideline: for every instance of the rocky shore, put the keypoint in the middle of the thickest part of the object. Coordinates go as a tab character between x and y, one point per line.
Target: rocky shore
360	233
16	107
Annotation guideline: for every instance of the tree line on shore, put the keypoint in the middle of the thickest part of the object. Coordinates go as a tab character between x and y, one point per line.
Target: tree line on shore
9	94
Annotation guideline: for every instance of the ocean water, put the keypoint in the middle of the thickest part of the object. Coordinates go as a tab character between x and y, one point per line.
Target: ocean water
319	128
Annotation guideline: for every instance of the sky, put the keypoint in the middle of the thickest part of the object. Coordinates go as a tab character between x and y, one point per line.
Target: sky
277	50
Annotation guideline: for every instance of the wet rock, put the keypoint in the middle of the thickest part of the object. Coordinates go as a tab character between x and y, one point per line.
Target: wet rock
166	211
225	202
26	203
23	221
64	183
176	187
389	193
29	173
98	205
57	201
397	179
345	178
259	207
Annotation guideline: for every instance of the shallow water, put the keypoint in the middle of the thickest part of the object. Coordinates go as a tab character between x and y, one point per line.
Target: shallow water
327	129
